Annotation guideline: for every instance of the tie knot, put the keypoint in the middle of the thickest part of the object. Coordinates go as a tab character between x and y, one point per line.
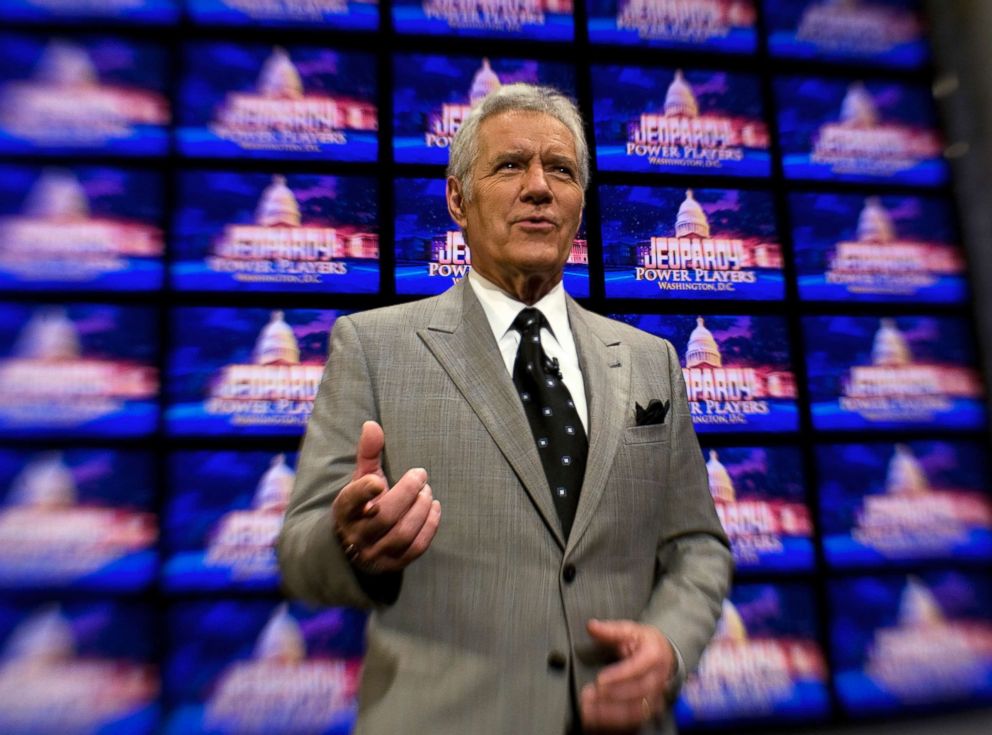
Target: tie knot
529	321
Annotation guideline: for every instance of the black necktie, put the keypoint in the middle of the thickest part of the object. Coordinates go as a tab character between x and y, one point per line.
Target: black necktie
561	440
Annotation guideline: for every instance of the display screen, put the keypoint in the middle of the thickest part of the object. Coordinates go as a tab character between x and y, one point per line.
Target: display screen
690	243
300	102
431	254
877	248
910	502
535	20
432	95
839	130
761	501
129	11
892	373
665	120
714	25
224	513
261	232
78	370
256	666
88	95
334	14
911	642
78	667
764	663
883	32
79	519
245	371
80	229
737	369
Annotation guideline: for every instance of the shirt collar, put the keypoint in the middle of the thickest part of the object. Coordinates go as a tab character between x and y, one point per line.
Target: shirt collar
501	308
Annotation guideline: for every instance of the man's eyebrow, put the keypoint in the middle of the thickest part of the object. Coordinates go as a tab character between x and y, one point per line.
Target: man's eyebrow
561	158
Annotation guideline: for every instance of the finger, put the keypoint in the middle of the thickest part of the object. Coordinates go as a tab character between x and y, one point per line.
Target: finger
351	503
422	542
393	505
396	541
368	456
602	713
638	665
613	633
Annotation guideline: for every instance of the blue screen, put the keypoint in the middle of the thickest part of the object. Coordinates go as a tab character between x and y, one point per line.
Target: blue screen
679	122
300	102
288	233
690	243
877	248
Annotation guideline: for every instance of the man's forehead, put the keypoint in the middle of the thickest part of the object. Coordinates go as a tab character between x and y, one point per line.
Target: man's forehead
520	131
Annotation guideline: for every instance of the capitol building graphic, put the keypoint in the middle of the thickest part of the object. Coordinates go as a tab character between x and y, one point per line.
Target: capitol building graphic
280	689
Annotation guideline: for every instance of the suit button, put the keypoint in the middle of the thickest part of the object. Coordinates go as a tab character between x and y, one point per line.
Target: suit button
568	573
557	661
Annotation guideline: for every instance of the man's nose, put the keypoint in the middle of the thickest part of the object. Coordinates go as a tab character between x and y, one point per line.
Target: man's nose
536	189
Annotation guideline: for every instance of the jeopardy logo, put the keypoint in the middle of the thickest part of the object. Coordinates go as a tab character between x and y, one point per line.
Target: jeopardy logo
280	248
444	123
58	239
854	27
274	388
493	15
766	527
695	261
54	677
893	387
925	656
696	21
279	115
66	105
913	518
51	536
754	676
681	136
49	384
860	142
728	394
244	540
280	688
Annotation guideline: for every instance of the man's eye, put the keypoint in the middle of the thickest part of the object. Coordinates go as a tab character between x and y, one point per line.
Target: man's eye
564	171
508	165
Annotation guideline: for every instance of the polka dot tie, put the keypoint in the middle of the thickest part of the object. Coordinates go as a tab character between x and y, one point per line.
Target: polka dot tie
558	432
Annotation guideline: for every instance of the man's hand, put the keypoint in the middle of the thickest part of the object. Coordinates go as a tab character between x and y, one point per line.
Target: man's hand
631	691
383	529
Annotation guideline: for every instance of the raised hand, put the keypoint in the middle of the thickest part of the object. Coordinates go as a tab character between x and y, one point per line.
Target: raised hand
383	529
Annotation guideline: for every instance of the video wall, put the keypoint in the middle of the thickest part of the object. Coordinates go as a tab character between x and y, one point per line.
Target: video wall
191	192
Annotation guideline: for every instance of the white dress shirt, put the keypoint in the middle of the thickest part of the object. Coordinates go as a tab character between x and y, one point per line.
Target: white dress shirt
501	309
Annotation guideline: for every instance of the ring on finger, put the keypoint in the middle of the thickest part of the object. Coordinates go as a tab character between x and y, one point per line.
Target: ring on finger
351	551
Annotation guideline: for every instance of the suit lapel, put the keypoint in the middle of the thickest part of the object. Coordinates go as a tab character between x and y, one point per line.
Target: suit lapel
605	367
461	340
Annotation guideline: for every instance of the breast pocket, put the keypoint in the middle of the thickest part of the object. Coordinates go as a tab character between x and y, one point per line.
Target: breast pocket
650	434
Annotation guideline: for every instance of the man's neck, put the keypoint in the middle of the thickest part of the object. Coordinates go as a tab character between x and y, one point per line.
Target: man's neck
526	289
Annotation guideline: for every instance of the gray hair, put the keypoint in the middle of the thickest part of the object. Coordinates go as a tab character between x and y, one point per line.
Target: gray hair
511	97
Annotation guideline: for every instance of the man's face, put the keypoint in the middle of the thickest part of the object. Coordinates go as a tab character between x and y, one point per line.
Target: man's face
526	201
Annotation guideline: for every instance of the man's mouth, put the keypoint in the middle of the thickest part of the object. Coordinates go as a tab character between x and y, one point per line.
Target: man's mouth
536	222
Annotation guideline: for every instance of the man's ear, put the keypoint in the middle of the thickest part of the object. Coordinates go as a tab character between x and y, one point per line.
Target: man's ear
456	201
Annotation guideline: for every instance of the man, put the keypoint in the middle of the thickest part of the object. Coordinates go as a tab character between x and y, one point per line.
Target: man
579	568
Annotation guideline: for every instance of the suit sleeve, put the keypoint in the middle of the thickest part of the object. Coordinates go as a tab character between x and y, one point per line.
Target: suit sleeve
311	561
694	564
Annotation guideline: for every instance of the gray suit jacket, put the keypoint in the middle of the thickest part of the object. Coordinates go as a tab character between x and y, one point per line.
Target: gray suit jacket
460	642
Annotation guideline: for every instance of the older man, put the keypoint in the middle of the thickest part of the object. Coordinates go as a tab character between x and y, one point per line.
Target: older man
580	566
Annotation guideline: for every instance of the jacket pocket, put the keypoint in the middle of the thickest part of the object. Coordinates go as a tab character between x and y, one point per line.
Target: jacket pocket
650	434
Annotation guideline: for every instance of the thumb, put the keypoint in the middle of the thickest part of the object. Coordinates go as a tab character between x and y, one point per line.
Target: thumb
369	454
611	632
